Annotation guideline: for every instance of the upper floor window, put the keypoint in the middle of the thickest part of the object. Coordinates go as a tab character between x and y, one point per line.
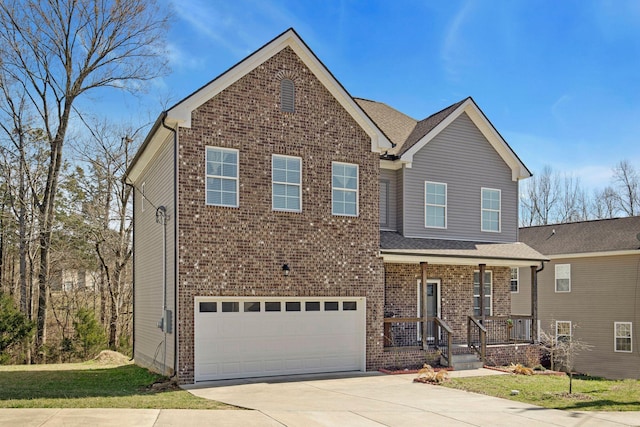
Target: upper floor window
287	95
384	204
490	210
286	174
563	278
487	293
563	330
623	337
515	279
435	209
222	177
344	189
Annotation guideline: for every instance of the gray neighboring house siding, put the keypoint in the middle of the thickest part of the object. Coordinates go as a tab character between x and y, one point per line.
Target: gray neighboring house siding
604	257
148	279
461	157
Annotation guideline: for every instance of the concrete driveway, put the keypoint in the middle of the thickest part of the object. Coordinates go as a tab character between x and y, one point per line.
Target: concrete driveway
388	400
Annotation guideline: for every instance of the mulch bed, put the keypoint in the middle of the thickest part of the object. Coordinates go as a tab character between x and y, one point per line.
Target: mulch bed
410	371
547	372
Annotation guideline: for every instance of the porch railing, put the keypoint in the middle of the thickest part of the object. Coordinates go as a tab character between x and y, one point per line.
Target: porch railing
408	332
477	337
508	329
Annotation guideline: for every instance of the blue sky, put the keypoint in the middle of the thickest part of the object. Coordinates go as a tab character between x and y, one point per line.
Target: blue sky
560	80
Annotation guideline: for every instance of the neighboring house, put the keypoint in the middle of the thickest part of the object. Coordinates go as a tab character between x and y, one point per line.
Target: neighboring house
73	280
591	289
258	245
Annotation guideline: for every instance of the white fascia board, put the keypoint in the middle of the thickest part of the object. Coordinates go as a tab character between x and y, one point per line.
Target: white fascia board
182	111
518	170
396	258
390	164
149	152
595	254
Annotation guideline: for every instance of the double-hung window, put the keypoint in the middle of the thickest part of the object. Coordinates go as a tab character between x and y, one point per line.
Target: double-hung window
286	174
435	200
623	337
344	189
515	279
487	293
563	277
222	176
490	210
563	330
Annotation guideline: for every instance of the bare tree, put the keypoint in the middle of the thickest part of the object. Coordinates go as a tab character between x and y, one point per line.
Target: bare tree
563	348
57	51
627	183
605	203
540	197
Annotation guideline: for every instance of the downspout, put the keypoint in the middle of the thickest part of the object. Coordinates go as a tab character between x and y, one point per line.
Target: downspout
175	243
534	299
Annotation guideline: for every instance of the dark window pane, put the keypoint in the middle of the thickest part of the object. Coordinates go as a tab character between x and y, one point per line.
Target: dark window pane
208	307
312	306
293	306
331	306
230	307
349	305
272	306
251	306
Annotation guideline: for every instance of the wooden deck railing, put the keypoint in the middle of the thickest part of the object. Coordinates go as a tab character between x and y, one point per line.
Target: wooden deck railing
407	332
477	337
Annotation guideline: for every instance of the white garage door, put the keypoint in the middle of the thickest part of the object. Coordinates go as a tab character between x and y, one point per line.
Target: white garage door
254	337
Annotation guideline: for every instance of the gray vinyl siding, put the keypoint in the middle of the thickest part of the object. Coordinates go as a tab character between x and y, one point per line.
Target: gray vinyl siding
461	157
390	177
158	178
521	300
603	291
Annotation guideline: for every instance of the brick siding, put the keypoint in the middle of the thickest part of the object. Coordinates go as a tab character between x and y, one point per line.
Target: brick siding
240	251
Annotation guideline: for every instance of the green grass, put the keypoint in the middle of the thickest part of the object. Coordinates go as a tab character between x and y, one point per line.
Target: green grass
589	394
91	385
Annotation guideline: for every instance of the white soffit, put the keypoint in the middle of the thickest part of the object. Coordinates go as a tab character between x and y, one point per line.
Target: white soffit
518	169
181	112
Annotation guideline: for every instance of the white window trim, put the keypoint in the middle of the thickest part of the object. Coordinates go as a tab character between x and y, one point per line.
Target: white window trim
481	291
237	178
142	197
446	197
570	328
555	279
299	185
357	190
517	280
482	210
615	337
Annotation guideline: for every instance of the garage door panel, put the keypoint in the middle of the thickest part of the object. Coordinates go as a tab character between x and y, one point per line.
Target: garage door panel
246	344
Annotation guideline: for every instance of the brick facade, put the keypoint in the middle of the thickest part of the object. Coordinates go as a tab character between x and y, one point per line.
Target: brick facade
240	251
456	301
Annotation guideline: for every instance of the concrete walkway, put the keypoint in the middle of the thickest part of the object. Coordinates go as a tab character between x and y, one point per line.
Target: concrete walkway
341	400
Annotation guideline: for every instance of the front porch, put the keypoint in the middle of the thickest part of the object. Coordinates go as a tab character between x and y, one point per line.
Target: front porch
433	340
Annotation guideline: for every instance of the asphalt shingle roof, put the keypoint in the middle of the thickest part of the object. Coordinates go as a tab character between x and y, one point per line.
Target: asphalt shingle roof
392	241
401	129
582	237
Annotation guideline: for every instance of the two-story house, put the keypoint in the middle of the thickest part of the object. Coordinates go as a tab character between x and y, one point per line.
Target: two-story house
279	221
589	291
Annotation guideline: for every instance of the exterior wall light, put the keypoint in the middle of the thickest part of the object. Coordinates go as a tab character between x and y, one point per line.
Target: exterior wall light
285	270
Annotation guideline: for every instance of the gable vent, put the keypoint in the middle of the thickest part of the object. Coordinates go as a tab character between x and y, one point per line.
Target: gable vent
287	95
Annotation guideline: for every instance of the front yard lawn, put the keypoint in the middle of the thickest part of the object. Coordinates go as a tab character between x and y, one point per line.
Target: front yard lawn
589	393
92	385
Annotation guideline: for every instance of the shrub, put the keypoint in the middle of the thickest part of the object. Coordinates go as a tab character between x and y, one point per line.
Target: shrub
14	327
90	336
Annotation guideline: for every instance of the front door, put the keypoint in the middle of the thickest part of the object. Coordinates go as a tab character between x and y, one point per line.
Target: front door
433	307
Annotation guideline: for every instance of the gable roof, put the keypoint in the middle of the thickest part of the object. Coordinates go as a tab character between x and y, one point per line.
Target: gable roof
180	113
606	236
395	124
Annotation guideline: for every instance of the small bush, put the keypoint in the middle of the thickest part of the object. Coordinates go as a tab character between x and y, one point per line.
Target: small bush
14	327
428	375
89	334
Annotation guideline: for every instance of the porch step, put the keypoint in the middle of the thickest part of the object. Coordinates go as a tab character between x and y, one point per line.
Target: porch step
462	362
